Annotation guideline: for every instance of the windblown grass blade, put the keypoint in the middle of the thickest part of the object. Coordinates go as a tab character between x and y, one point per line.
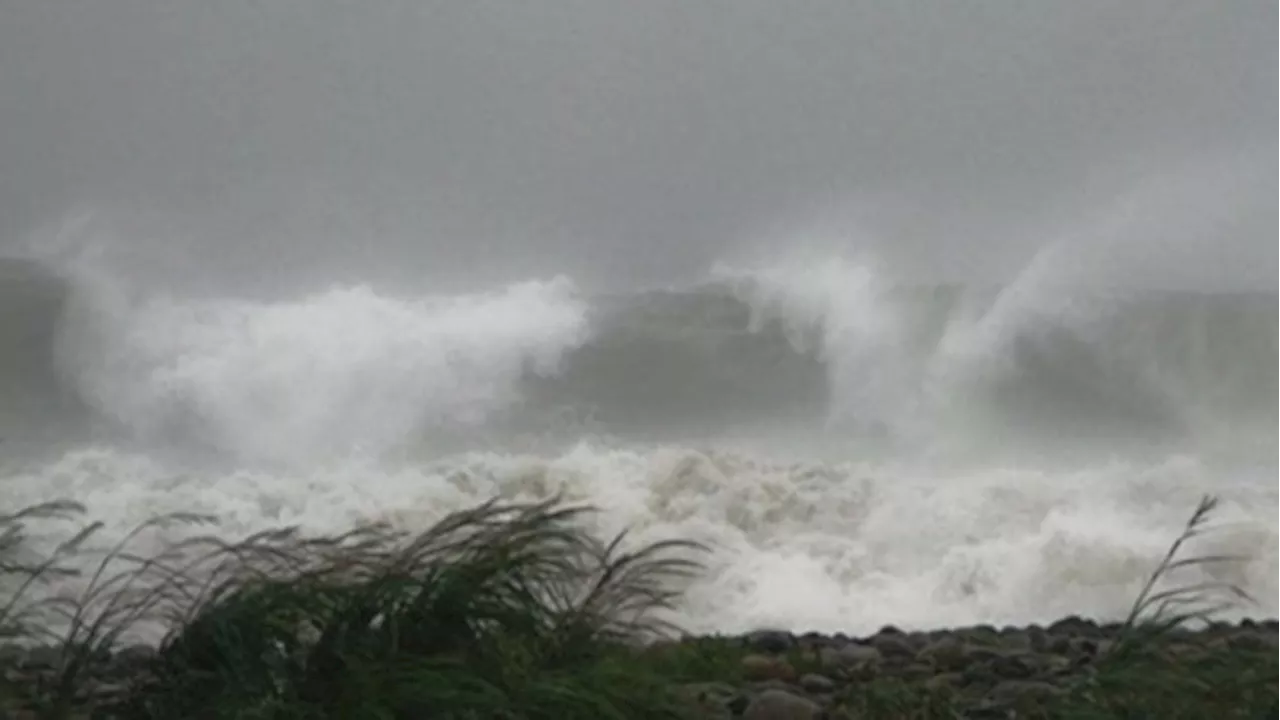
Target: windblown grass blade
1156	612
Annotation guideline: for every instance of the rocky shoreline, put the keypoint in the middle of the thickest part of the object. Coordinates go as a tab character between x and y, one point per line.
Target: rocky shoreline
978	672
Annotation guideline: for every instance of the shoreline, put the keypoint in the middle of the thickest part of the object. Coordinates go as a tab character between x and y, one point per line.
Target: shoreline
518	611
976	671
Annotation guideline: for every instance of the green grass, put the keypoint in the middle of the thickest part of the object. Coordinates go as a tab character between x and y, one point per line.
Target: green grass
499	611
504	611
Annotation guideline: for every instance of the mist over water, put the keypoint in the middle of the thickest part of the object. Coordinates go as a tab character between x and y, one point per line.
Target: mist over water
917	314
860	449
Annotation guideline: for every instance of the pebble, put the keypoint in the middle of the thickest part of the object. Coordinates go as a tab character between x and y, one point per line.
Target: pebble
817	684
892	645
774	642
781	705
765	667
850	655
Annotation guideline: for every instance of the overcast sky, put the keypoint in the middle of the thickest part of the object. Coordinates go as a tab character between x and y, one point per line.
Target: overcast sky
641	141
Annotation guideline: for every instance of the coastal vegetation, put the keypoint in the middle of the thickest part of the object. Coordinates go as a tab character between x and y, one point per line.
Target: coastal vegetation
515	611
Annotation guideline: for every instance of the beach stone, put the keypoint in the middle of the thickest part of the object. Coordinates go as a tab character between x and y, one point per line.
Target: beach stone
980	653
757	667
1251	641
810	647
1016	641
918	639
712	700
814	640
781	705
1043	665
980	674
817	684
1183	652
1076	626
738	705
1058	645
1037	638
772	684
774	642
1111	629
893	646
706	691
944	681
945	653
1013	666
850	655
1220	626
979	635
1084	647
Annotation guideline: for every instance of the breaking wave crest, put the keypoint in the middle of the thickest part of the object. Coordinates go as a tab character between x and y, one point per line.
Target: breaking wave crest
1030	361
831	347
345	370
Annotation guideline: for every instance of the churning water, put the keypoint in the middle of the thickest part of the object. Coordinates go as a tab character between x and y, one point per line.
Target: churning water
859	451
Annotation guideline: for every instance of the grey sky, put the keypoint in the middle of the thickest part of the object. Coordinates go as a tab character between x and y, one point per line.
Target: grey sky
643	140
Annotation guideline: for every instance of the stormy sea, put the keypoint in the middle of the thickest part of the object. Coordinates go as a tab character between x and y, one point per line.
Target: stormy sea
858	449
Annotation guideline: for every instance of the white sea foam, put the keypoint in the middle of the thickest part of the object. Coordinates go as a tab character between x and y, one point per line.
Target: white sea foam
833	547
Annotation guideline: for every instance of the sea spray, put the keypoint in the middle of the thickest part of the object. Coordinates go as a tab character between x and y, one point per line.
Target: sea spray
857	450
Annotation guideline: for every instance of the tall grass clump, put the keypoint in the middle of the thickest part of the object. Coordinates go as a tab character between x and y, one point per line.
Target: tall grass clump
19	617
1157	612
501	611
24	619
1152	670
83	626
